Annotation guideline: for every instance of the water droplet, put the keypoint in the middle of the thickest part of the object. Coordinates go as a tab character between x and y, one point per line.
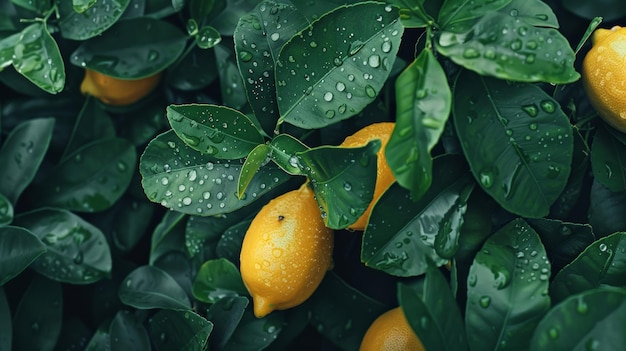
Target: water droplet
337	61
553	333
275	36
373	61
516	45
485	301
245	56
354	47
386	46
340	86
313	44
342	108
531	110
533	126
471	53
486	178
186	201
329	113
602	247
548	106
328	96
347	186
370	91
472	279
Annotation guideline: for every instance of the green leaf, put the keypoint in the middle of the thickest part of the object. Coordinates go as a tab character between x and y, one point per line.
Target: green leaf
39	315
423	103
255	333
341	313
6	211
199	9
433	313
127	333
231	84
217	279
132	48
258	39
328	72
149	287
18	249
453	12
208	37
425	230
284	150
182	179
608	160
517	141
534	12
77	252
6	338
609	10
194	71
101	339
84	19
7	48
214	130
229	244
133	219
39	6
92	123
343	180
226	313
22	154
168	235
602	263
179	330
178	265
511	267
413	14
590	320
37	57
255	160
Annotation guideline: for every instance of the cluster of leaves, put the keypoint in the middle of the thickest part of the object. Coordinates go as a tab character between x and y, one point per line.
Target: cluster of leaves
502	172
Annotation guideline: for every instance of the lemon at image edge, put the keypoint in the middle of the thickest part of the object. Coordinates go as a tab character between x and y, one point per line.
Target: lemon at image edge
391	332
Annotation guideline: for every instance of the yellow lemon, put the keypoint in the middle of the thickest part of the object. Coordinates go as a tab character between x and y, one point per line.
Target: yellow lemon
391	332
117	92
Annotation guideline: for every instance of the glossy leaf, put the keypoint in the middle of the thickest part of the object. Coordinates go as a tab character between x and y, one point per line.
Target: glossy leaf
420	231
608	160
21	155
84	19
202	8
39	6
182	179
194	71
284	150
18	249
255	333
6	324
517	141
179	330
605	210
39	315
217	279
133	220
225	314
127	333
214	130
592	320
231	83
328	73
413	14
168	235
511	267
37	57
567	201
7	48
610	10
149	287
602	263
100	340
77	251
126	51
258	39
229	244
453	12
423	100
6	211
255	160
433	313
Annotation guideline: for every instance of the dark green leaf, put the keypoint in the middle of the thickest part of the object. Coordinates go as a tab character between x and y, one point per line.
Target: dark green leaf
423	103
602	263
517	141
6	211
182	179
18	249
255	333
609	10
229	245
21	155
511	267
180	330
39	6
195	71
413	14
284	149
38	317
133	219
162	8
214	130
592	320
92	123
178	265
328	72
608	160
91	18
217	279
576	184
168	235
149	287
225	314
75	335
208	37
101	339
77	252
231	84
6	325
7	48
127	333
453	12
255	160
132	48
341	313
533	12
422	230
37	57
199	9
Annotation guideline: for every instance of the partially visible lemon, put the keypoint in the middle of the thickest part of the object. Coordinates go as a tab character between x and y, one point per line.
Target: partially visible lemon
384	176
286	252
117	92
391	332
604	75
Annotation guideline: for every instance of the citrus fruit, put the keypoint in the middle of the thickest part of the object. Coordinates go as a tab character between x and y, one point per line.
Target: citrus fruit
391	332
604	77
384	176
117	92
286	252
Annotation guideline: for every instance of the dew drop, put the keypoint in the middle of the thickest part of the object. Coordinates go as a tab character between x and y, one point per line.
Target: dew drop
328	96
531	110
486	178
275	36
245	56
471	53
373	61
485	301
602	247
548	106
340	86
386	46
370	91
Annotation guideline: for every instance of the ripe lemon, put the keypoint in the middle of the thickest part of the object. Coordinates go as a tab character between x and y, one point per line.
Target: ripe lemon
384	176
391	332
604	76
285	252
117	92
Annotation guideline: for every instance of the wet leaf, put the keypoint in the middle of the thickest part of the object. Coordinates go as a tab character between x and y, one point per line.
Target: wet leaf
133	219
199	9
21	155
127	333
603	263
328	72
413	14
592	320
6	324
182	179
226	313
132	48
168	235
608	160
218	279
255	333
605	210
517	141
178	330
427	229
18	249
214	130
39	6
423	101
101	339
149	287
255	160
92	123
7	48
511	267
231	83
77	252
195	71
84	19
208	37
455	12
229	245
6	211
284	150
